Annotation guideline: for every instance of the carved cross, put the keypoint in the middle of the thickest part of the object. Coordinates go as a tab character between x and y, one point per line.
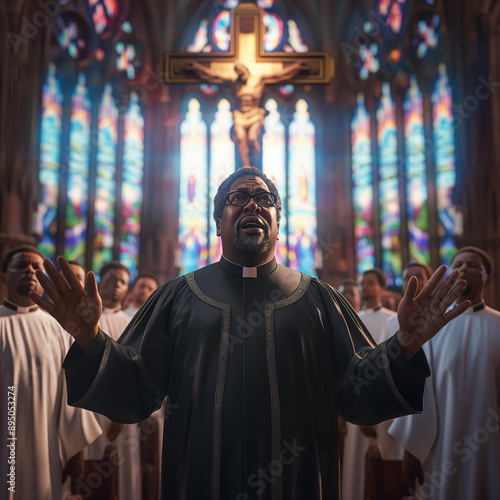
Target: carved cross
247	47
255	69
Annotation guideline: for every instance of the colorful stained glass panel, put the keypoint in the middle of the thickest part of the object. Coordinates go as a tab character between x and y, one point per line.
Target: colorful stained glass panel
221	31
273	31
392	12
78	173
50	152
104	12
274	166
368	55
416	179
200	39
132	182
295	43
444	146
427	38
105	180
362	192
389	188
302	222
222	164
193	190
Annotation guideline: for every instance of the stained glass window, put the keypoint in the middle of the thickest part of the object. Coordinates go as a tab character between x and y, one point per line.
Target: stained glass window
369	60
200	40
127	59
445	163
221	35
362	192
392	12
199	182
274	166
105	180
302	223
91	147
126	27
222	164
395	18
389	188
78	173
73	35
383	7
219	31
416	179
404	212
131	189
288	154
265	4
427	37
274	31
295	43
50	152
193	190
104	13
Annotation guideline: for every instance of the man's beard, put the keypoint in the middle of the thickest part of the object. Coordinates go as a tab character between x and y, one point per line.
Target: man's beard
251	244
467	290
24	289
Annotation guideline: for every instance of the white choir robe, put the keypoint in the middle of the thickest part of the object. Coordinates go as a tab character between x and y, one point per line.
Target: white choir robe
457	437
356	444
113	322
48	431
131	310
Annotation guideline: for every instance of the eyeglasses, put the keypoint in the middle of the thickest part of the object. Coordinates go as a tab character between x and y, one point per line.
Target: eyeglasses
241	198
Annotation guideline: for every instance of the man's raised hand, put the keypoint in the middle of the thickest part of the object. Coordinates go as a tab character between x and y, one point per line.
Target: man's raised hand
421	317
76	311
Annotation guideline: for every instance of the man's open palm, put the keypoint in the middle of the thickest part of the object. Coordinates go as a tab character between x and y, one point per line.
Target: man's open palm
76	311
421	317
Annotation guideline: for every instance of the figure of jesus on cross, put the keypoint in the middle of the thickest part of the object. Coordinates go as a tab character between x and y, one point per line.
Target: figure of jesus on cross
249	90
248	68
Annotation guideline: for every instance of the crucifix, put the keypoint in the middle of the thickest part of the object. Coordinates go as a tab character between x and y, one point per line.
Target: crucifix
248	69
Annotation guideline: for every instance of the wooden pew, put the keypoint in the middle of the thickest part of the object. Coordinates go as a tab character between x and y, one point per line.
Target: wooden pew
384	478
98	479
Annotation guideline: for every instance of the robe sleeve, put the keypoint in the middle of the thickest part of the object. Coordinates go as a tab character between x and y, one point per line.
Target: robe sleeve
126	380
374	383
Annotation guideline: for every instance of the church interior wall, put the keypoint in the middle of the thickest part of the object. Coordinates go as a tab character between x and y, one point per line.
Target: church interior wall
472	44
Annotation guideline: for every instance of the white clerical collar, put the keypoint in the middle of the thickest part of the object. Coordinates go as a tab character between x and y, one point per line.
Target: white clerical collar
20	309
248	272
111	310
472	309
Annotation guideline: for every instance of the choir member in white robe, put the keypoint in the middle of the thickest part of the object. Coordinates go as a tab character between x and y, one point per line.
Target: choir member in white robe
144	286
456	439
358	439
350	290
39	432
79	271
113	287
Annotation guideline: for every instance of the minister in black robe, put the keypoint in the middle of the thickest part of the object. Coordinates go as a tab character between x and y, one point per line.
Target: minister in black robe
257	361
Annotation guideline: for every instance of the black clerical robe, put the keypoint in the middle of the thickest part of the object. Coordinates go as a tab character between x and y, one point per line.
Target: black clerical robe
256	370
